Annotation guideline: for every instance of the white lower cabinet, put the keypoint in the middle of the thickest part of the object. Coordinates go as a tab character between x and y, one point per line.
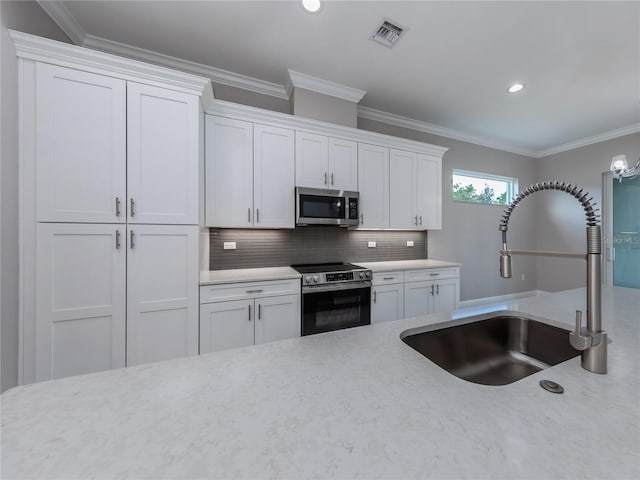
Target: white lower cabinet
411	293
256	317
387	302
162	293
107	297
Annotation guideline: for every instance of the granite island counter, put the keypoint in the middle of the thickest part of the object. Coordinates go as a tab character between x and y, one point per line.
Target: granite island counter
356	403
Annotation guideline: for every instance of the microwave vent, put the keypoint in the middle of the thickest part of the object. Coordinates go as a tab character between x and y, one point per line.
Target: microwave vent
388	33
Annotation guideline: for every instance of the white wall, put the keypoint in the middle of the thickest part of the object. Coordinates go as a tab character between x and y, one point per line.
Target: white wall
470	232
560	219
28	17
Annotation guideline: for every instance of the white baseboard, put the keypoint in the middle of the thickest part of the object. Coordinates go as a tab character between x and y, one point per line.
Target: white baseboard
500	298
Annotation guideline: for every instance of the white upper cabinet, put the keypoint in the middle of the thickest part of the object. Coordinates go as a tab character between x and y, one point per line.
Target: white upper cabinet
273	177
429	186
229	172
312	160
343	165
403	190
415	191
80	145
162	156
249	175
80	299
326	162
373	185
162	293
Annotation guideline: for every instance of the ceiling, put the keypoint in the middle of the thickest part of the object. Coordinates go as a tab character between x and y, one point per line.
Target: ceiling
580	61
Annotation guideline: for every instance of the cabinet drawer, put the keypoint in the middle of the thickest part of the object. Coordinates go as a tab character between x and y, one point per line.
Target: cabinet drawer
387	278
239	291
430	274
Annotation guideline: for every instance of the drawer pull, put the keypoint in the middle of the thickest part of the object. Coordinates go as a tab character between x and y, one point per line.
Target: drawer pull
388	278
434	274
255	291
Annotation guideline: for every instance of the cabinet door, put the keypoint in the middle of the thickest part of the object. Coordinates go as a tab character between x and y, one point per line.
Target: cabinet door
162	300
162	156
312	160
373	185
277	318
429	192
402	190
226	325
445	296
80	299
273	177
418	299
387	303
80	146
229	172
343	165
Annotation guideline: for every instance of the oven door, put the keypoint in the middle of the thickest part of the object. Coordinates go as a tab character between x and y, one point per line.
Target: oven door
334	307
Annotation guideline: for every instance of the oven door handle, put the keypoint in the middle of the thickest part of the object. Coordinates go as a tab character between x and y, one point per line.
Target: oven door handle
336	287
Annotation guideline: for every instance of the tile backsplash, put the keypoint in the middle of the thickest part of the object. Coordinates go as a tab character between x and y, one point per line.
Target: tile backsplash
272	248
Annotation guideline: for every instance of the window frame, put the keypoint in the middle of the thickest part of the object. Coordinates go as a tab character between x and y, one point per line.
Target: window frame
512	185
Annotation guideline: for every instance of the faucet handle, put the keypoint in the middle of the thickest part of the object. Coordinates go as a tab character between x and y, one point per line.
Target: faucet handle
576	339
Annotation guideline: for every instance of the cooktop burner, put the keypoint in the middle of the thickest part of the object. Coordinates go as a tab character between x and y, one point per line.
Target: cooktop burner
326	267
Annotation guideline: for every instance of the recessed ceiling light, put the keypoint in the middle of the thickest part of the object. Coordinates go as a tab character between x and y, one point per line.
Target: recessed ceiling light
312	6
515	87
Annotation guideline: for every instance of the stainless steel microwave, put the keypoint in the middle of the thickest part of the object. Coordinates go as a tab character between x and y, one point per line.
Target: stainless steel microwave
317	206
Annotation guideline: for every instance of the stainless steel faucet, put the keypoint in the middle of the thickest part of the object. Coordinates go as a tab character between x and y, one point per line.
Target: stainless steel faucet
592	341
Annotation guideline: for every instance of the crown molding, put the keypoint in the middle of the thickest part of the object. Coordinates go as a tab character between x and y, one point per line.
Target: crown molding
268	117
216	75
412	124
63	18
40	49
325	87
601	137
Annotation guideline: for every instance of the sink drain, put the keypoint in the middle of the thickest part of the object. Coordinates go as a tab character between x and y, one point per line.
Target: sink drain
552	387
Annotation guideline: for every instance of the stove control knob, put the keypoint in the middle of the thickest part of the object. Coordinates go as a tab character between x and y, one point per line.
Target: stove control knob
362	275
316	278
308	279
367	274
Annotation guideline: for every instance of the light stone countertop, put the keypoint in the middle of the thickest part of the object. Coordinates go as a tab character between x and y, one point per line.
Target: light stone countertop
406	265
356	403
212	277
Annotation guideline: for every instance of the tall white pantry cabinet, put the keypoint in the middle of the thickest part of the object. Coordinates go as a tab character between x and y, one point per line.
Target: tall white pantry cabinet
110	159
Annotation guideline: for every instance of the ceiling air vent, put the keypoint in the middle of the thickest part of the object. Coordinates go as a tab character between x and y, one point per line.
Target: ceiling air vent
388	33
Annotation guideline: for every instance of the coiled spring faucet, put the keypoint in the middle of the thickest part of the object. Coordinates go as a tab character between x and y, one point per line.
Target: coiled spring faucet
592	341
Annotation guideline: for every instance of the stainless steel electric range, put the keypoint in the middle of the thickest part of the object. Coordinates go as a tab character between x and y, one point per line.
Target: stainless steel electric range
334	296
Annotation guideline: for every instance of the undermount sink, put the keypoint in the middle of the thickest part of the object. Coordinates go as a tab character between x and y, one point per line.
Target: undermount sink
494	351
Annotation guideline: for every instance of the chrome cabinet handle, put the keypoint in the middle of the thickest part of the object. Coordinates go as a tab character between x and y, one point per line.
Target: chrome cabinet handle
432	290
438	289
374	296
249	312
361	218
259	311
332	179
255	291
257	215
132	241
420	220
117	206
249	214
132	207
117	239
415	220
434	274
325	178
388	278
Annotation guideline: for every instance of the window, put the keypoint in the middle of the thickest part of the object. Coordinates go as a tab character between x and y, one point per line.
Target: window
485	188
